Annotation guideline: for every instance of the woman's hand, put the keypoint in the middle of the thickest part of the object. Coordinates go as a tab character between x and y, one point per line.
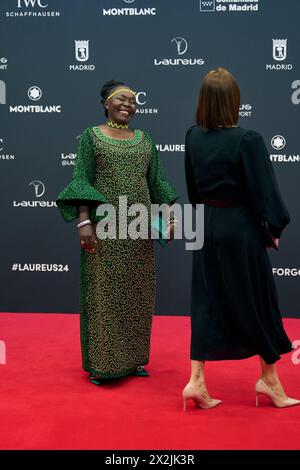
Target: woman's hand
87	237
171	229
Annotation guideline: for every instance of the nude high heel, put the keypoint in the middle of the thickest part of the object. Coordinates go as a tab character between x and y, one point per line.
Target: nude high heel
261	388
190	394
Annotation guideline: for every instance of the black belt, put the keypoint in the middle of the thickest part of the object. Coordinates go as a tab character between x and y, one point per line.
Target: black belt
221	202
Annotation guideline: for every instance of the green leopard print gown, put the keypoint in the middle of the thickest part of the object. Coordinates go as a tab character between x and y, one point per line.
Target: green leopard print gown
117	289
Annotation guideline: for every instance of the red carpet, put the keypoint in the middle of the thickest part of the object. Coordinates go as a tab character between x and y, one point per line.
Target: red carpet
47	401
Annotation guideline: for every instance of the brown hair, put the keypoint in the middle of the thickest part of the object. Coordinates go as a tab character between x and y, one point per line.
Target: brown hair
219	100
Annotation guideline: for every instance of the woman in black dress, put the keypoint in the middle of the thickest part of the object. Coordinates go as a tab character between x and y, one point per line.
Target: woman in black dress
234	307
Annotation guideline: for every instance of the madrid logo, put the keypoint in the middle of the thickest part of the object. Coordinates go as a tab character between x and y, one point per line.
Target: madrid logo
279	55
82	50
207	5
279	49
229	5
82	54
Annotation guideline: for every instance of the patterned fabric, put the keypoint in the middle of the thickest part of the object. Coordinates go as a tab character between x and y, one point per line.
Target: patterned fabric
117	291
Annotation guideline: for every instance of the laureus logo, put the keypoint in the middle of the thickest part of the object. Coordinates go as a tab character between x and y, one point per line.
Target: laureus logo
39	188
181	48
181	45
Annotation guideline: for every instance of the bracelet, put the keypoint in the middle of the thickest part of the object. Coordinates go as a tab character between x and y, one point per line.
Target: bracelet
85	222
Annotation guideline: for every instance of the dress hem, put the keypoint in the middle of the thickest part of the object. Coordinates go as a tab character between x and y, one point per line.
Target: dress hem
117	375
242	356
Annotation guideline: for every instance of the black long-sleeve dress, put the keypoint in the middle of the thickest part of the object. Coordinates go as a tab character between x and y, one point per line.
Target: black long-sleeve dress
234	304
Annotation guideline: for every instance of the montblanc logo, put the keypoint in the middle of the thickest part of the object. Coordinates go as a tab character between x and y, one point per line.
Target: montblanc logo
4	156
3	63
296	94
181	46
279	53
32	9
141	101
278	142
129	10
82	54
2	92
229	5
39	190
34	93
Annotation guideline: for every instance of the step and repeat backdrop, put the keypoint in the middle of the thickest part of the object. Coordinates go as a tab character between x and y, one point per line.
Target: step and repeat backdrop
55	56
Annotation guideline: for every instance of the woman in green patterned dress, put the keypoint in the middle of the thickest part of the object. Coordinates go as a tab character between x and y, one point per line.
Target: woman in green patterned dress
117	289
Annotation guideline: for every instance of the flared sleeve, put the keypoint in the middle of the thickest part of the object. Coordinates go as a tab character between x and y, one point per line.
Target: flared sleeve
80	191
261	188
161	191
189	173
